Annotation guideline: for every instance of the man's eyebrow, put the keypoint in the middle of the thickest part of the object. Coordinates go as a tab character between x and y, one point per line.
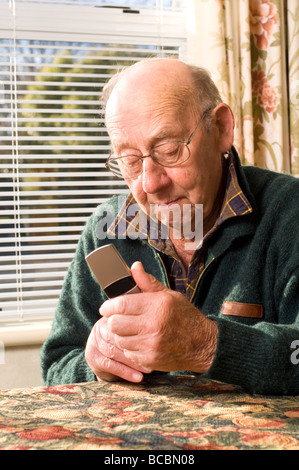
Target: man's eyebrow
165	133
162	134
119	144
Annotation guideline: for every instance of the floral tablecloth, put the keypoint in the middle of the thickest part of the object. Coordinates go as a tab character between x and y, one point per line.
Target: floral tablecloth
183	413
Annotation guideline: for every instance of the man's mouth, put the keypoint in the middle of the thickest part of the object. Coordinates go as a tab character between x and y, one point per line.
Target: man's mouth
168	203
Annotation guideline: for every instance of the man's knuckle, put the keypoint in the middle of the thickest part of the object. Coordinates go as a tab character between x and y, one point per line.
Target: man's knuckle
112	323
167	300
106	363
121	304
111	351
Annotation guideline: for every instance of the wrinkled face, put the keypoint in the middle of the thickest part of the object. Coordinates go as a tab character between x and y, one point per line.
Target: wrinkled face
143	112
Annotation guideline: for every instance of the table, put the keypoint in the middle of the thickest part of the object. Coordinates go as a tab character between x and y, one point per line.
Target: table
170	413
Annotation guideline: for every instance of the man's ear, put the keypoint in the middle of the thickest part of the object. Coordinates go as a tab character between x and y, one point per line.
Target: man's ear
225	123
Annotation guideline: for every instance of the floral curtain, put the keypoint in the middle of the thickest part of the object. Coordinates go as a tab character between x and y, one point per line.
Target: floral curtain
251	48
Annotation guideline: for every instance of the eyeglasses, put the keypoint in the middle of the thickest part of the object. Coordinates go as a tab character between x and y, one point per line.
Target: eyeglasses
168	154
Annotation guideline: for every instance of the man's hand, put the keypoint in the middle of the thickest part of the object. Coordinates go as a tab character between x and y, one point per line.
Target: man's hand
106	360
156	330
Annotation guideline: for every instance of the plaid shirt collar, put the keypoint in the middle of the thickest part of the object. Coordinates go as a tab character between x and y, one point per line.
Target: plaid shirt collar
132	222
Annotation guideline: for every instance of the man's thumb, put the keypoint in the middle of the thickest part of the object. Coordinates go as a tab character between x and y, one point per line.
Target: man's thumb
146	282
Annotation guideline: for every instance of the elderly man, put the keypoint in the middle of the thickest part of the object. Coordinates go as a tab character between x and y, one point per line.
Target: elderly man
226	307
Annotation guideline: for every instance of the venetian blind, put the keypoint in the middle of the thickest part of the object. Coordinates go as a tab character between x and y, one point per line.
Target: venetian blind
55	57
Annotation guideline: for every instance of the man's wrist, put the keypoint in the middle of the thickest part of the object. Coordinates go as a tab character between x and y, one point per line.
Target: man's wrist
208	346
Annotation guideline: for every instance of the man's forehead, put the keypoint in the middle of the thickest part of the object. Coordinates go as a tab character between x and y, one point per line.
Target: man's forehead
163	114
167	128
147	103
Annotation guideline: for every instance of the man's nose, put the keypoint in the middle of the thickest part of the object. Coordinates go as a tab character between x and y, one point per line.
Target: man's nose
154	176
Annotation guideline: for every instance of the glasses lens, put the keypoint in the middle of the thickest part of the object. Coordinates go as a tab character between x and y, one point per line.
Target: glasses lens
170	153
114	167
127	167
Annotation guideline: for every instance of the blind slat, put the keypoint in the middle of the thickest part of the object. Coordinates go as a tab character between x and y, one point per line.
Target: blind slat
44	256
42	210
64	193
27	230
45	293
44	267
64	202
61	138
66	166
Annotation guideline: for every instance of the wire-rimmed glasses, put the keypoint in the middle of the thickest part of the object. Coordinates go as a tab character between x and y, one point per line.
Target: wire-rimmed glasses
169	154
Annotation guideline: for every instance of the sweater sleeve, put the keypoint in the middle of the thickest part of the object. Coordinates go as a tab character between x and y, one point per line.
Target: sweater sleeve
63	353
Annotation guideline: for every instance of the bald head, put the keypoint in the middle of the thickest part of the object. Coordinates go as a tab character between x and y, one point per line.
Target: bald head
157	84
181	84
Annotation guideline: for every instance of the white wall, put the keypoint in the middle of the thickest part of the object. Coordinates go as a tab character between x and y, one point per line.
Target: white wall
20	367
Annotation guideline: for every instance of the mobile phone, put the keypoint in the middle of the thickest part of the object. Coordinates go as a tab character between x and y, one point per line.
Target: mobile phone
111	271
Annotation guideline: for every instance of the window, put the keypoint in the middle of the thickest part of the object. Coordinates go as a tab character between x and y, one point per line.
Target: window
55	57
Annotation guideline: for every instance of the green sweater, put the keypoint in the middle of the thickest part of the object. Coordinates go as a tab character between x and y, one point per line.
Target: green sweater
251	260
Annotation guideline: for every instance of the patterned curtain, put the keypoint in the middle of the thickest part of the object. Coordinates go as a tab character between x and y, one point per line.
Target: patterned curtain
251	48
